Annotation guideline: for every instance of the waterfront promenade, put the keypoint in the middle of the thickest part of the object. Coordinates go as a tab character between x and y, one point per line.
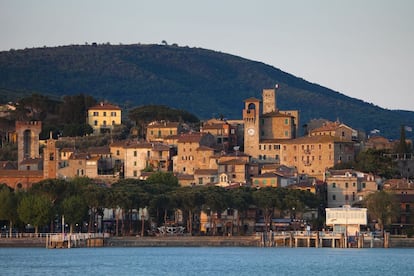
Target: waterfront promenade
272	239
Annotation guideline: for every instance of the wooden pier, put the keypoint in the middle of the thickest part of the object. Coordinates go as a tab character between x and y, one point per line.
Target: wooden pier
319	239
67	240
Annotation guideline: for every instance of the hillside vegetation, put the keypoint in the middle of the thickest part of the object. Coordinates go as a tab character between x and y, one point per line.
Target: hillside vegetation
203	82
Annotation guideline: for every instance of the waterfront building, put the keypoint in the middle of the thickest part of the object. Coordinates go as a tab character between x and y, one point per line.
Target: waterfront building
403	190
347	187
346	219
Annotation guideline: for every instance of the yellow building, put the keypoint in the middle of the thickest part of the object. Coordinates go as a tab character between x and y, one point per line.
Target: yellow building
103	117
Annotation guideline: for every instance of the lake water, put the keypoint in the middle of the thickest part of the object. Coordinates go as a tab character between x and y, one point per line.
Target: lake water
206	261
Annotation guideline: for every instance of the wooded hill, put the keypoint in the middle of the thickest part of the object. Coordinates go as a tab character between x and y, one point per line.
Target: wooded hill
203	82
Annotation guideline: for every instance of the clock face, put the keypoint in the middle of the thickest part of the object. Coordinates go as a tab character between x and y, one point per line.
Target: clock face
250	131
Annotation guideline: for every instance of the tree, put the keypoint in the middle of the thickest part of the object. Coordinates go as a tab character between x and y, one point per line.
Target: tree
402	147
268	200
74	209
190	200
382	206
35	210
242	199
216	201
8	207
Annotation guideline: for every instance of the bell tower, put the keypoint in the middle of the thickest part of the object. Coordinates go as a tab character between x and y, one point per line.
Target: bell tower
50	159
28	140
251	116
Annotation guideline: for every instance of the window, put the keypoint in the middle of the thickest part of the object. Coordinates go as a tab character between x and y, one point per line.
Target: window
135	173
104	123
135	153
363	185
286	133
95	123
95	113
286	121
334	185
200	180
276	147
117	152
51	157
113	114
346	184
104	113
264	147
346	197
113	123
333	197
135	163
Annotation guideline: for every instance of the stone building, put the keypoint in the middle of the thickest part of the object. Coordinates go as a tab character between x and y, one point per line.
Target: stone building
103	117
263	132
158	131
194	151
347	187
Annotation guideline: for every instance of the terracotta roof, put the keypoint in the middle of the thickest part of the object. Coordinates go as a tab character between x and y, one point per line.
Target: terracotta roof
137	145
330	126
213	126
398	184
206	172
29	161
266	175
233	162
193	137
104	106
67	150
20	173
252	99
204	148
315	139
99	150
163	125
160	147
185	177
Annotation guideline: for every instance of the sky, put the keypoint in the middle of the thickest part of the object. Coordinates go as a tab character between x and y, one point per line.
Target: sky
360	48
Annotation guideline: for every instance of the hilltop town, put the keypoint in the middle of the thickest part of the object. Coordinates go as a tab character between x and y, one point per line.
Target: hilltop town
262	150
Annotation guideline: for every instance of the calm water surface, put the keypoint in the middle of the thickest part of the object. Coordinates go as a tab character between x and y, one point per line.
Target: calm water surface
206	261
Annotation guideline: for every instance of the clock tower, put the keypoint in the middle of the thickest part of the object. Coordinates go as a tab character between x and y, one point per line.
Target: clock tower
251	116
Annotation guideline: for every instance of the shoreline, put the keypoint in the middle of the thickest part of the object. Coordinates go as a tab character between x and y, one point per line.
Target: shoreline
182	241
